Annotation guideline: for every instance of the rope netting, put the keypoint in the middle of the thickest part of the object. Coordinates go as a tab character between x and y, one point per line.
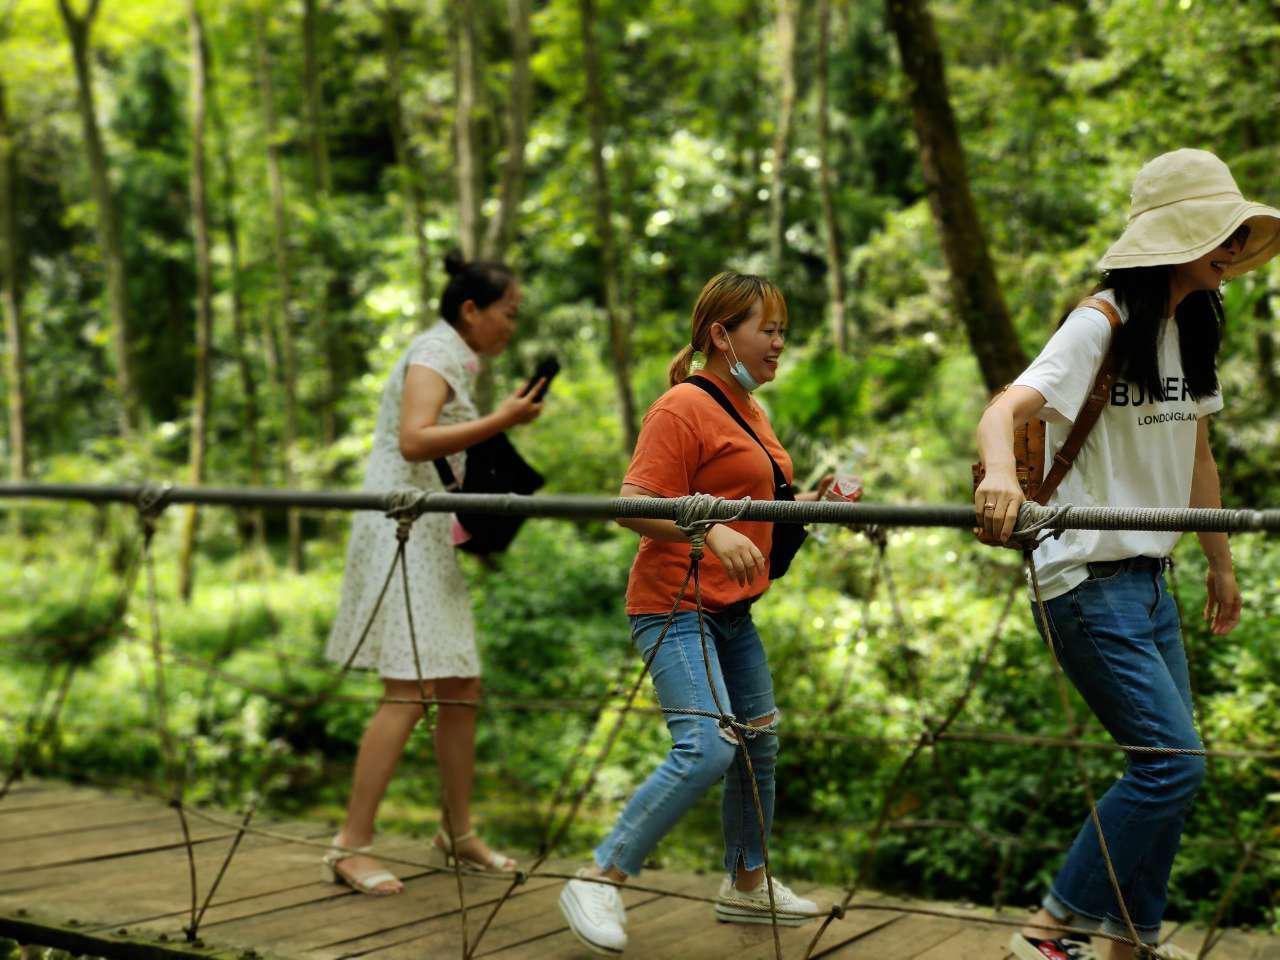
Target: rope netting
694	515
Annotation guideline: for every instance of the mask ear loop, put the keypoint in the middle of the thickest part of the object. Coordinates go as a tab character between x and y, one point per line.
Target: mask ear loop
738	369
732	353
712	343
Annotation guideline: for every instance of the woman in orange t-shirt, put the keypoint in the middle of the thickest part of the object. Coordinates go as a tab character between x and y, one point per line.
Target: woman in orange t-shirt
690	444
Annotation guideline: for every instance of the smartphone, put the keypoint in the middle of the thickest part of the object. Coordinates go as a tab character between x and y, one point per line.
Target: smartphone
547	368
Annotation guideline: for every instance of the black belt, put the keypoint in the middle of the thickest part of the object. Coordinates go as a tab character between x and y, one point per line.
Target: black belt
1100	569
735	610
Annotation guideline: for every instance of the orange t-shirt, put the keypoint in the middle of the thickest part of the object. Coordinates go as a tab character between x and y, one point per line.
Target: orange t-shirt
688	444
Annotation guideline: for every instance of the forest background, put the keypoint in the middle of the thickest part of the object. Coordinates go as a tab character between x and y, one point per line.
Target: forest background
220	224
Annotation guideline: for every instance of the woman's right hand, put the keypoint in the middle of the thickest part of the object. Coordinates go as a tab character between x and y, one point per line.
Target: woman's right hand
741	559
520	407
996	502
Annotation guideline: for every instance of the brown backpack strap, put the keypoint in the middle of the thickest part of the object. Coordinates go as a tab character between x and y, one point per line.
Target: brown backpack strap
1089	413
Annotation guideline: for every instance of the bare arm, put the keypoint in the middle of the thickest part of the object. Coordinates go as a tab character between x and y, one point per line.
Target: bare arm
999	487
741	559
1223	601
423	438
653	529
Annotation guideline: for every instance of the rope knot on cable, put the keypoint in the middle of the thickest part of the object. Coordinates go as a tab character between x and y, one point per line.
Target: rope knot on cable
405	506
695	518
837	912
151	501
1028	534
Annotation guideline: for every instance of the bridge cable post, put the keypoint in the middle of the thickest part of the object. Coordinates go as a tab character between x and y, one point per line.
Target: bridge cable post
694	519
151	501
405	508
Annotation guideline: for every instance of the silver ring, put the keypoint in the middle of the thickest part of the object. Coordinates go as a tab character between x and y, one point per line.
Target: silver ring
989	505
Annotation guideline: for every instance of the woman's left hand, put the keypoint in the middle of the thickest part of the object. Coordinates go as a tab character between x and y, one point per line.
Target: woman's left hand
823	486
1222	601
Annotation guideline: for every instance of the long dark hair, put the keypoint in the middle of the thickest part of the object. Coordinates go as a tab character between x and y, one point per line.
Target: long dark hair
1143	292
483	282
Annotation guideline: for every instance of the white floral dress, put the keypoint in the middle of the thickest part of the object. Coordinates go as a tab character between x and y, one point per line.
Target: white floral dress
441	604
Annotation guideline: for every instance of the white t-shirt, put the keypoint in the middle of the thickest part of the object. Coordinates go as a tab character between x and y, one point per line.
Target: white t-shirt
1140	453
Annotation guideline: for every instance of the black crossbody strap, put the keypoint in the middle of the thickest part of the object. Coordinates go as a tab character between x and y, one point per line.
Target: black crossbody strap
446	475
702	383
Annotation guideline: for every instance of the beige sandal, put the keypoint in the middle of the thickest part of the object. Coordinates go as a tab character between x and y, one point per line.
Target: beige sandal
497	862
369	883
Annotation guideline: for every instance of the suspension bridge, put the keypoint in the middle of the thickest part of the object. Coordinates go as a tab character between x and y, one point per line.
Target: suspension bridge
135	870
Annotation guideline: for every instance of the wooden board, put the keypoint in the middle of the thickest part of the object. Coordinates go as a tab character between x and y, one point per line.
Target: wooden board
979	940
107	874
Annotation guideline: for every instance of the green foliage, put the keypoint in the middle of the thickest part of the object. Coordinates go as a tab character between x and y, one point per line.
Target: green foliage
1058	104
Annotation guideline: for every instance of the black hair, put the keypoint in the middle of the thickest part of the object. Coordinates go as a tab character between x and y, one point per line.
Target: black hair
483	282
1143	292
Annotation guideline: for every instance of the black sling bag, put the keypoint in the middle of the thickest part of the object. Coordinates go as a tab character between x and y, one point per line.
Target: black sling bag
493	466
787	537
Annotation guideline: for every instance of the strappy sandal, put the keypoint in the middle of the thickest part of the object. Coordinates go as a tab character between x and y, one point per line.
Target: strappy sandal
369	883
496	863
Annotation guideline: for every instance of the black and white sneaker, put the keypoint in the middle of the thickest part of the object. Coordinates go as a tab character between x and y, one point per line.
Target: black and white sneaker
1056	948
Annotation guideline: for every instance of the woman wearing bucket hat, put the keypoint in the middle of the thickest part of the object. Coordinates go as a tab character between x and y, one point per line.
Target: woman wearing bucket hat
1107	615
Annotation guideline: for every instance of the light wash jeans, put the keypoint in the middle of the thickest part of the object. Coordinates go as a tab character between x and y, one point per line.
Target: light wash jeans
701	753
1118	639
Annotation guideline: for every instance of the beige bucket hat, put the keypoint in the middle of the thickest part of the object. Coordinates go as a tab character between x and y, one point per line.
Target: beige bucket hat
1184	204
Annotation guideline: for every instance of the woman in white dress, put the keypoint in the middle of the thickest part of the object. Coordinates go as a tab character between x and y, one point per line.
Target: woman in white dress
426	412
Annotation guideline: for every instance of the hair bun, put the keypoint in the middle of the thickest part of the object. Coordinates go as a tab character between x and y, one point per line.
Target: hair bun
454	263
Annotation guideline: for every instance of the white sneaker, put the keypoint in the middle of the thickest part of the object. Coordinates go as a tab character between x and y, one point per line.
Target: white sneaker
595	914
752	906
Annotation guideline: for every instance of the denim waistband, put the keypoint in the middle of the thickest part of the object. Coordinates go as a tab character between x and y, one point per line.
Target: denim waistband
1105	568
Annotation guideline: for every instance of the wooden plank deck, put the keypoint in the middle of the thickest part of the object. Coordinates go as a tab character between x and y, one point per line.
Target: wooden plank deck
106	874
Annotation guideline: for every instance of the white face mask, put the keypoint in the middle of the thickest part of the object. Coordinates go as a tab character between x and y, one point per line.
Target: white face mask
738	369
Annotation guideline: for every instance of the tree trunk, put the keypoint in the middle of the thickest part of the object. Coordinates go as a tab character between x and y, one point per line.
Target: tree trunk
204	293
465	130
391	24
319	149
746	123
974	287
109	237
498	236
321	186
15	331
619	334
835	260
284	278
629	217
786	40
239	333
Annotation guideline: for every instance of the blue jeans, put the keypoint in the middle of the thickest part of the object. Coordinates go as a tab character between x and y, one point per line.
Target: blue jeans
1118	639
701	753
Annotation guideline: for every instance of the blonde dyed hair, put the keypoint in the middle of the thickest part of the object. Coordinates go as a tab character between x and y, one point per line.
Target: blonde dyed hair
727	299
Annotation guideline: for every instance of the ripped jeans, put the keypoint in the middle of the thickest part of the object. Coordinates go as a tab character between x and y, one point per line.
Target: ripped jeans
701	753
